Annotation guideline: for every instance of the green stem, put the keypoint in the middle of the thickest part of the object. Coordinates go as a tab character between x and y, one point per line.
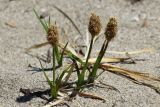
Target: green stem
54	89
88	56
93	74
54	65
81	77
57	54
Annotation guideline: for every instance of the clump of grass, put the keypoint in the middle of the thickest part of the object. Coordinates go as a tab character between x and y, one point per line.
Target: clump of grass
94	28
53	40
59	83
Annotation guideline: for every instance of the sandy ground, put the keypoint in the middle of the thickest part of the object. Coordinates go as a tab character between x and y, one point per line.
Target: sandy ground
138	29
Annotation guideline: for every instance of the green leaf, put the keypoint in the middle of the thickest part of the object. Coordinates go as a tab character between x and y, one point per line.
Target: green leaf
62	54
54	91
49	21
72	56
48	80
69	72
59	80
61	11
41	21
46	24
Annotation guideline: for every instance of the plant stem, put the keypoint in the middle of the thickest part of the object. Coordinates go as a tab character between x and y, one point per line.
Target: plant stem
57	54
81	76
93	74
54	65
54	89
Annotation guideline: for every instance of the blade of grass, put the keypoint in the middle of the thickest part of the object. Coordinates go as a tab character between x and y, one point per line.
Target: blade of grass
69	49
69	74
132	52
86	95
61	11
49	21
74	57
46	24
62	95
136	77
59	80
48	80
37	46
62	54
76	67
113	66
54	103
41	21
108	60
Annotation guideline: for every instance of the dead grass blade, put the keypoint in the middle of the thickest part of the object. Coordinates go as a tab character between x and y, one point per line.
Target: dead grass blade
61	11
86	95
129	72
51	104
108	60
37	46
62	95
132	52
136	77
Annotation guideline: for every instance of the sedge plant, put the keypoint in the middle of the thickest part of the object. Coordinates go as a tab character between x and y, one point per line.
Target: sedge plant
59	81
53	40
110	33
94	28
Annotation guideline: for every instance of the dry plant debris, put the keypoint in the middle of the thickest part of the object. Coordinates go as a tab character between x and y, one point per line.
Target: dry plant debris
11	24
62	90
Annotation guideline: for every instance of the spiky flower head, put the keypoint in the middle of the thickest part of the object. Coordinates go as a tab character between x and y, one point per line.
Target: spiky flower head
94	26
111	29
53	35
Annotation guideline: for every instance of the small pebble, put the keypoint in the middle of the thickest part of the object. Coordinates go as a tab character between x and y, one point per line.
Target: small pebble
44	13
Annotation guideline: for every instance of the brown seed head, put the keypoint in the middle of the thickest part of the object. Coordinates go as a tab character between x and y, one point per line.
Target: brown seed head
53	35
94	26
111	29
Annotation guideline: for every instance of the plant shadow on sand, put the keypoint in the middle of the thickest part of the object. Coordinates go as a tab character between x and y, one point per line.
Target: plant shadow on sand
30	94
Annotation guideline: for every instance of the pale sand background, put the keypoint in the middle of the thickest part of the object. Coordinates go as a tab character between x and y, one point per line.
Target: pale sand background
131	36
